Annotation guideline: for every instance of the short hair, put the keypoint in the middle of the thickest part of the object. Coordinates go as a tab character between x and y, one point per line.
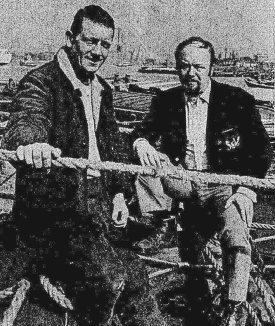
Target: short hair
203	44
94	13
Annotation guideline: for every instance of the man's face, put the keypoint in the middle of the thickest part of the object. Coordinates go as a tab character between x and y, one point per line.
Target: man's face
91	46
193	65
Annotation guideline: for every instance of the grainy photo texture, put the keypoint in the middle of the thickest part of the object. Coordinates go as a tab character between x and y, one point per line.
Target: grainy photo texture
137	163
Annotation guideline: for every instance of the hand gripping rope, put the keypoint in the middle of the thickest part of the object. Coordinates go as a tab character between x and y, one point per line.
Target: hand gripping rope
172	172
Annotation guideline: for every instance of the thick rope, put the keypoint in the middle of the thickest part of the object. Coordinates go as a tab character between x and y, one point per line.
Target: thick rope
173	172
216	266
11	313
252	314
7	292
261	226
262	239
57	295
178	265
267	298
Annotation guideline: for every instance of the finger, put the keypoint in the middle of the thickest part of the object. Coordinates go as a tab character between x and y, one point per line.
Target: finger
56	152
37	157
114	214
150	160
247	208
46	156
250	214
164	159
144	160
125	215
243	212
28	155
157	160
228	203
166	164
20	153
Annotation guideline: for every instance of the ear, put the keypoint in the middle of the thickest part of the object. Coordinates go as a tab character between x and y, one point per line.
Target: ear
69	37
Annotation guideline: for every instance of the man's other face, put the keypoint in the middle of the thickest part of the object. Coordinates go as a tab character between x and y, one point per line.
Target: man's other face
92	45
193	65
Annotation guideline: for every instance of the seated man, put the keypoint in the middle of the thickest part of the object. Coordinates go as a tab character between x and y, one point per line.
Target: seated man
207	126
61	215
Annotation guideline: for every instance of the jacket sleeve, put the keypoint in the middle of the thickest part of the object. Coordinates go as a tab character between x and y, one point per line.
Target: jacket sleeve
154	123
117	147
258	148
31	116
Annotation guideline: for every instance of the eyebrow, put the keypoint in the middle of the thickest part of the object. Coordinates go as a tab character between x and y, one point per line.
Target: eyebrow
188	63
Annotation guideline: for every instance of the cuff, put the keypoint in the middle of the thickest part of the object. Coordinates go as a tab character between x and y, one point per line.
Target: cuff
137	141
248	193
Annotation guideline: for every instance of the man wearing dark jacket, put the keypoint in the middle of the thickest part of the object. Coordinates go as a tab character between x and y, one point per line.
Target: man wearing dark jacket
207	126
62	215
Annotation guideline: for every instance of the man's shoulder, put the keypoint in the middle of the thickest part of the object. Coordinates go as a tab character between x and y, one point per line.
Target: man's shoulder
170	93
48	71
230	91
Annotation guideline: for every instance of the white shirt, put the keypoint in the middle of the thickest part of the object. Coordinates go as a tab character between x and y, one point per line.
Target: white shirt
91	99
196	112
196	121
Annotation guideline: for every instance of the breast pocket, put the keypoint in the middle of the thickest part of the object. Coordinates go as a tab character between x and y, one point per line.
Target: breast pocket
228	140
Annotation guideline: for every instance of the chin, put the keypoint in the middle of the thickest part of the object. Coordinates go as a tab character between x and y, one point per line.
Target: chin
91	69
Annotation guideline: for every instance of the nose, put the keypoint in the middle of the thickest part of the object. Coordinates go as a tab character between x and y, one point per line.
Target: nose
192	71
96	48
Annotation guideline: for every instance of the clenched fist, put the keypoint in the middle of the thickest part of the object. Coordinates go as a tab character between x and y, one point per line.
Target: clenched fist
38	155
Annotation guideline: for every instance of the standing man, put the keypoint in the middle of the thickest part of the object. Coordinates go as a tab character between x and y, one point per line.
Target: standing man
62	215
207	126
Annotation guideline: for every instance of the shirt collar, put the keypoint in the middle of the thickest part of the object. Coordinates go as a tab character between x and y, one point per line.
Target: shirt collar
204	96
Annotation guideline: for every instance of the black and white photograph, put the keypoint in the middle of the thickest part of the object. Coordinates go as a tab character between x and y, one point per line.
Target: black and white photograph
137	163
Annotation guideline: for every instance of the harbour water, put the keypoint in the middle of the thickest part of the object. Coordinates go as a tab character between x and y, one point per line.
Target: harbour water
15	71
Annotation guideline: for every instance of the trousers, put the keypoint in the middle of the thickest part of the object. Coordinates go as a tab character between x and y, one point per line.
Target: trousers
204	216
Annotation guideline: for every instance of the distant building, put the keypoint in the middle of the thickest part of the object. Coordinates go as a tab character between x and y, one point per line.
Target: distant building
260	57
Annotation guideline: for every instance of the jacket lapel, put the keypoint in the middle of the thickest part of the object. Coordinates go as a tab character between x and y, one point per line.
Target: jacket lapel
178	108
212	116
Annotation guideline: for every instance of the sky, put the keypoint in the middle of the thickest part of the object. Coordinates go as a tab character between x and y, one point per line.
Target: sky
151	27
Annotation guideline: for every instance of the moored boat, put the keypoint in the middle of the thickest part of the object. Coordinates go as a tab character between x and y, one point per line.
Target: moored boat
262	83
152	86
28	61
5	57
158	70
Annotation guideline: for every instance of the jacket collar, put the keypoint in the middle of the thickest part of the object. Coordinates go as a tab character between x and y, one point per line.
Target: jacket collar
66	67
